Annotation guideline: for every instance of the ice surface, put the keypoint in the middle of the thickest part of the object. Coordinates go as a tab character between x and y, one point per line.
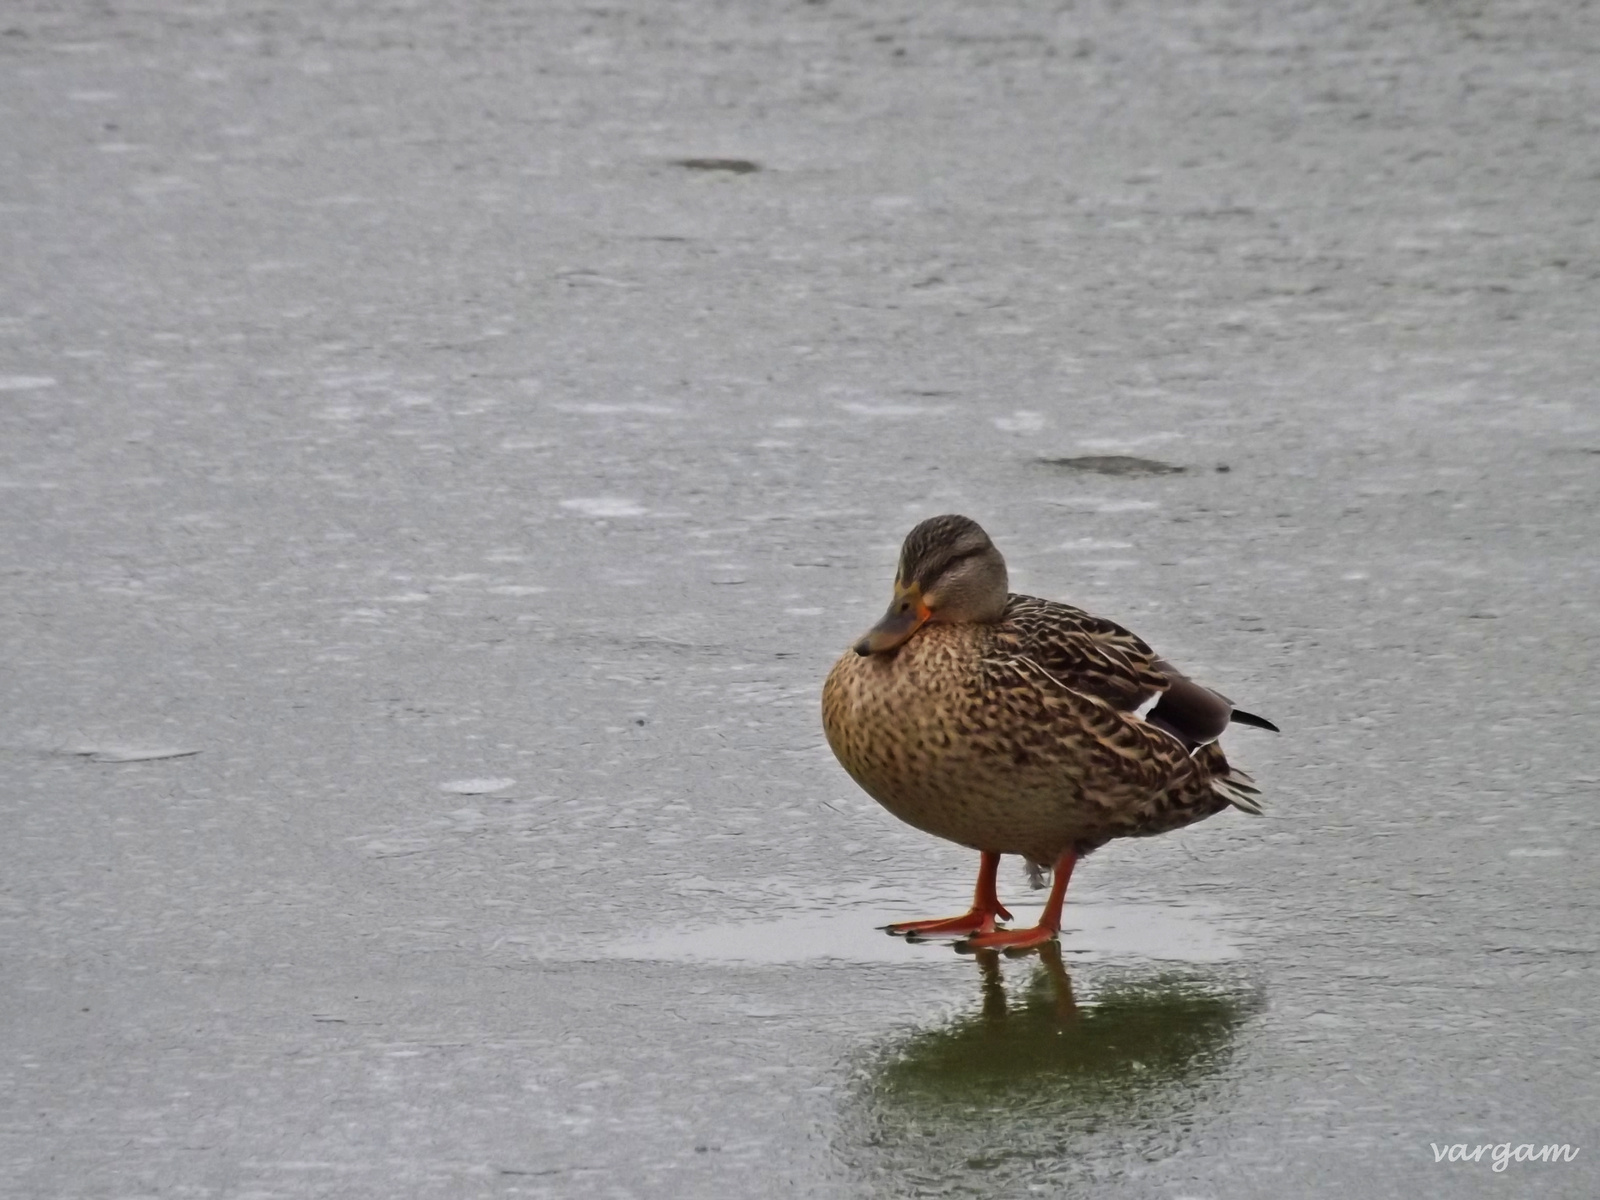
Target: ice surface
383	404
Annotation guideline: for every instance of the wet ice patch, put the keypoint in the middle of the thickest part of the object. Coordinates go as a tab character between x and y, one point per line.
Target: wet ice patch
1090	932
517	589
25	383
1536	852
476	787
605	506
843	937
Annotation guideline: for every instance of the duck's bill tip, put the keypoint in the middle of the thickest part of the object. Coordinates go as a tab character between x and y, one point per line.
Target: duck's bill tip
893	631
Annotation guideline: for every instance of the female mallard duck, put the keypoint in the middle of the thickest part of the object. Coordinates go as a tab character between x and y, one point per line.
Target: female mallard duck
1016	725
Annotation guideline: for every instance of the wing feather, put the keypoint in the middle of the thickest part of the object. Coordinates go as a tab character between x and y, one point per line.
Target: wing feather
1100	658
1087	653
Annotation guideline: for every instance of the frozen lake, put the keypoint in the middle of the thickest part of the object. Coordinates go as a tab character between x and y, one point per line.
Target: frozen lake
443	448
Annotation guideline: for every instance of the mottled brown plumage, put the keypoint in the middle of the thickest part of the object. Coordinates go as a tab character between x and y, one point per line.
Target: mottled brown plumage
1012	724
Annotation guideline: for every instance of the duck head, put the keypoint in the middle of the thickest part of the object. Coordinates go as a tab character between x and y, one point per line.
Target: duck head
949	571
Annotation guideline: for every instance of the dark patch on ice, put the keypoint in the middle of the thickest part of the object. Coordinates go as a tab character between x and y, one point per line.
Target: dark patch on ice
736	166
1113	464
129	754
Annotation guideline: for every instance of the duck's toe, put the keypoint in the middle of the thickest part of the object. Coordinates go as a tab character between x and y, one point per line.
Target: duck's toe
979	921
1011	940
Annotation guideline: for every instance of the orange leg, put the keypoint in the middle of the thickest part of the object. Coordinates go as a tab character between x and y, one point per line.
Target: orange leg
980	918
1049	921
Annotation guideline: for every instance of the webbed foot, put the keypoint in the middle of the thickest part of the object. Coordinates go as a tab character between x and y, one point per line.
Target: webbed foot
974	921
1014	941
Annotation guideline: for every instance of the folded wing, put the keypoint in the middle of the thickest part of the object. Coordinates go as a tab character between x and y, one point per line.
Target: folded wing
1100	658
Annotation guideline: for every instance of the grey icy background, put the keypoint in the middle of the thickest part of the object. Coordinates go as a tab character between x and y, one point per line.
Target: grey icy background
391	419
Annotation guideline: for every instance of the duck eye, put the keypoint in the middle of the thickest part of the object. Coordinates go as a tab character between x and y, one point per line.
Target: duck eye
905	606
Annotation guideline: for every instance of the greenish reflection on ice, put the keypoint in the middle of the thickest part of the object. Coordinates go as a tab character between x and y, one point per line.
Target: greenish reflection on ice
1015	1093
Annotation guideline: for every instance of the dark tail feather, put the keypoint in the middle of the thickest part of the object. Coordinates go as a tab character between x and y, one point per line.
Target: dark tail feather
1240	717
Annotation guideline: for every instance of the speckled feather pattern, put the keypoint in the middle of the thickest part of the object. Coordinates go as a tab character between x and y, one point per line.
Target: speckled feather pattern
1018	737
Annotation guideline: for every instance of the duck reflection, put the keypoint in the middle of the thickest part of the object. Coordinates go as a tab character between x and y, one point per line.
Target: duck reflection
1131	1033
1042	1080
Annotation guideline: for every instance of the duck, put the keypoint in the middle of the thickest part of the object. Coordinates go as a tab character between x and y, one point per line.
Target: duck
1011	724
